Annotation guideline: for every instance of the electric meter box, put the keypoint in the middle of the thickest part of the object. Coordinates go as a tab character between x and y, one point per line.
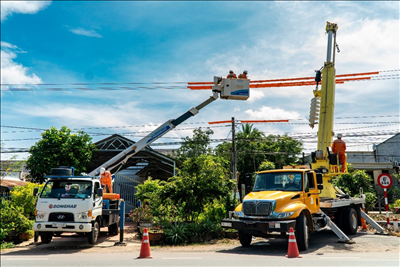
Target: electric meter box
238	89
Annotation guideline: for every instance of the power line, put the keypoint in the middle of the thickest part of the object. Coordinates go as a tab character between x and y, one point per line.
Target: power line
134	86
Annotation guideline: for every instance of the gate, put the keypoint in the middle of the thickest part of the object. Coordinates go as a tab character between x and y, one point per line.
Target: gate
125	184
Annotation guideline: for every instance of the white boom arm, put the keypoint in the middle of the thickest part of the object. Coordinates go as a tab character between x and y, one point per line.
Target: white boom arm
227	93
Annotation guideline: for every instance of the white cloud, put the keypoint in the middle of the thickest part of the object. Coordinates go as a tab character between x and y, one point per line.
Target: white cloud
255	95
25	7
89	33
11	71
272	114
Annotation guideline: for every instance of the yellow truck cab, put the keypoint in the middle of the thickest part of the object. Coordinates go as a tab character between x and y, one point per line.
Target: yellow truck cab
280	199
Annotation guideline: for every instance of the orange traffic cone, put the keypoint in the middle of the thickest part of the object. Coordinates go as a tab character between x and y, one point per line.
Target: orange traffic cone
293	251
364	225
145	249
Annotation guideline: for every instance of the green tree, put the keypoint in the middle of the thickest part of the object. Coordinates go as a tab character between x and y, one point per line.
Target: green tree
200	181
253	148
266	165
198	145
60	148
351	182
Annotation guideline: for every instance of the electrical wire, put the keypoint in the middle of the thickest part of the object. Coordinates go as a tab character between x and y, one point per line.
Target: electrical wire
134	86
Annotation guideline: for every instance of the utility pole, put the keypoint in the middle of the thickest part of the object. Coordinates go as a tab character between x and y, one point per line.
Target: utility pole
234	158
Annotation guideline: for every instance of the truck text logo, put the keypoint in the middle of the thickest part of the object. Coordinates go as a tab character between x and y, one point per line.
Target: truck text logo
62	206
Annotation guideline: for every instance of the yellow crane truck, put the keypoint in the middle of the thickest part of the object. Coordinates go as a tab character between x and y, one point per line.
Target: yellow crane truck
303	198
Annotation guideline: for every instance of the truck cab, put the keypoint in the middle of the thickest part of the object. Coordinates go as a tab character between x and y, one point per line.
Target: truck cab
280	200
69	203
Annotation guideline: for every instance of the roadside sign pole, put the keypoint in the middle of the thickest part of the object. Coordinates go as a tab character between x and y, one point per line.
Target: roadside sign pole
385	181
387	208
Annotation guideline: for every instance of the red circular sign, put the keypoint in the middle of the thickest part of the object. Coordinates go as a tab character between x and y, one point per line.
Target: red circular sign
385	180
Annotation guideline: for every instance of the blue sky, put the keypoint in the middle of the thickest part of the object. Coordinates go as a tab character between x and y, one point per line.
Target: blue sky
93	42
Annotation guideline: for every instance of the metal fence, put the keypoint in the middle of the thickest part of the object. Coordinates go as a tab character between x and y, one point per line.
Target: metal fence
125	184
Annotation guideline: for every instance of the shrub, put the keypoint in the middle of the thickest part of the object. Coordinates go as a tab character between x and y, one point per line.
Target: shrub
393	194
176	233
142	214
13	219
351	182
370	200
22	196
195	229
214	211
5	245
396	204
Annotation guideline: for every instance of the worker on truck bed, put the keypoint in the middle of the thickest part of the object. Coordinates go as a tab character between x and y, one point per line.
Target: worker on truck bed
243	75
231	75
106	180
339	147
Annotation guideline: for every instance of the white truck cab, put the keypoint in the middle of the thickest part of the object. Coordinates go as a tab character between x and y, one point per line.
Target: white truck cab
71	203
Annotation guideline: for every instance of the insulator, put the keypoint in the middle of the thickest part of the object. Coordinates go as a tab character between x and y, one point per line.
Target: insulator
314	111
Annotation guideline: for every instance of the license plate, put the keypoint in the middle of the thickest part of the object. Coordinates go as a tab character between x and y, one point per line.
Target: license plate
226	224
59	225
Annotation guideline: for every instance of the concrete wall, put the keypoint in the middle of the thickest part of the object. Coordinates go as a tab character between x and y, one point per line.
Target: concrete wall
389	150
360	157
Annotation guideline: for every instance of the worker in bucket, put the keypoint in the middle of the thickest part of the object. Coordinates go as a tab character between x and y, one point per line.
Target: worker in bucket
106	180
243	75
339	147
231	75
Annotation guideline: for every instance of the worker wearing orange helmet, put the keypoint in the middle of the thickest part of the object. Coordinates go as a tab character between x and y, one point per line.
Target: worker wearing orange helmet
339	147
231	75
106	180
243	75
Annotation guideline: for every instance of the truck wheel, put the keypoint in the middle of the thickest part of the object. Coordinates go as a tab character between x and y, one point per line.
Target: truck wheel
349	222
113	229
92	237
302	232
36	237
245	239
46	237
339	219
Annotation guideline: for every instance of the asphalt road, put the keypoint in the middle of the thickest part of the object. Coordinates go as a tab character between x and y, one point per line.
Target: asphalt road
367	250
221	259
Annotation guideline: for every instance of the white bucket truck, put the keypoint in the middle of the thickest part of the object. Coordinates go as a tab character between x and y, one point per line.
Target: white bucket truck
77	204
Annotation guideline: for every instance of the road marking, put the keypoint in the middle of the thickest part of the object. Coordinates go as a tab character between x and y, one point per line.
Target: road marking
183	258
334	258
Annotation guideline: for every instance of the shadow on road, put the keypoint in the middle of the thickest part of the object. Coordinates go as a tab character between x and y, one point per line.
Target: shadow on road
321	242
67	243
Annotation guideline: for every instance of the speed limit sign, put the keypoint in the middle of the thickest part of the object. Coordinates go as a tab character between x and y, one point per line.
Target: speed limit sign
385	180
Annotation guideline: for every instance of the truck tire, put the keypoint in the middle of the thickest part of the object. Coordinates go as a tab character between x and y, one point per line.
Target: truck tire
339	219
302	232
349	221
113	229
36	237
245	239
46	237
94	234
